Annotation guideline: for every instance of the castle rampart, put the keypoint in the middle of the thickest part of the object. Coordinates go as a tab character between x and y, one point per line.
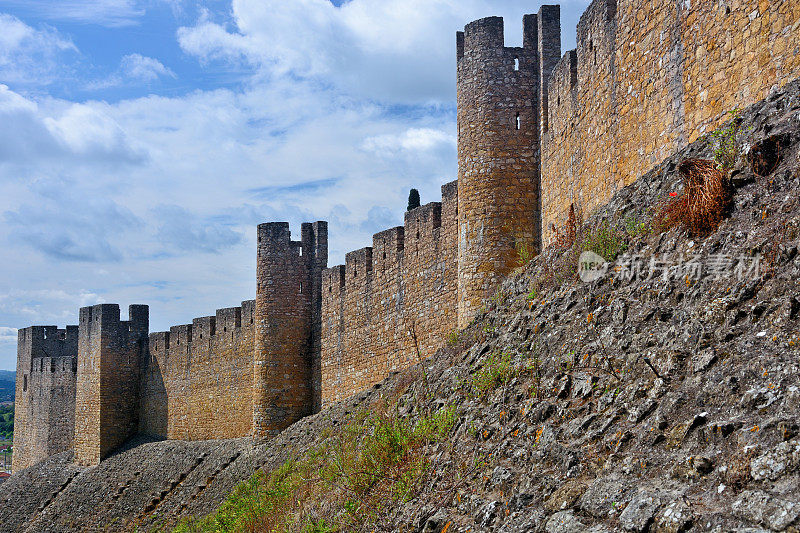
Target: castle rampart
197	383
392	303
646	79
537	133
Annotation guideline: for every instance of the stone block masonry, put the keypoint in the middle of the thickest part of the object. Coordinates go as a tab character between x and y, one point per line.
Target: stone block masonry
287	273
647	78
45	395
537	133
501	92
196	383
390	304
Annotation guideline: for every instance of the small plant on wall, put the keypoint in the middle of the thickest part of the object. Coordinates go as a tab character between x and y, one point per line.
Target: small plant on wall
726	151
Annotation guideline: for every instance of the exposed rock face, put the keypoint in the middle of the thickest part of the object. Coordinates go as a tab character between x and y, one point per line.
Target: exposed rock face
659	403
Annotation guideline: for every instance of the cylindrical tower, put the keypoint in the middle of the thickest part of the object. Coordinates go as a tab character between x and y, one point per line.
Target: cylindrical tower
282	370
498	157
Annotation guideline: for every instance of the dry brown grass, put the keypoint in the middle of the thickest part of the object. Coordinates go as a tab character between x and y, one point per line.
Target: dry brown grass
705	201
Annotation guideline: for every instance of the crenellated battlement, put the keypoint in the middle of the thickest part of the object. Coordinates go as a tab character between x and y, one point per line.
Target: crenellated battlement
372	302
387	250
227	320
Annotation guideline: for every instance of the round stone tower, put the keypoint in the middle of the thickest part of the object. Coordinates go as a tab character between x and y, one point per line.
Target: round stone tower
499	106
282	379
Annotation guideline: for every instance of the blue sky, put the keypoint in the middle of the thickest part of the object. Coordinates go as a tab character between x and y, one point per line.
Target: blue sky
142	141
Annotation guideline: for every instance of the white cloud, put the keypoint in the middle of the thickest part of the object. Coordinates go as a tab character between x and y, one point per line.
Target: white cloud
29	55
146	69
134	69
8	335
412	140
77	132
111	13
392	50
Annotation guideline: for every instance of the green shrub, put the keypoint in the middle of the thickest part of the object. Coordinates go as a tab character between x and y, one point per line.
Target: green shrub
726	152
497	370
606	241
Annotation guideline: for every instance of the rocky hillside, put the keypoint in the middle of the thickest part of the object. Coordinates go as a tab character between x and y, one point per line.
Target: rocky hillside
663	396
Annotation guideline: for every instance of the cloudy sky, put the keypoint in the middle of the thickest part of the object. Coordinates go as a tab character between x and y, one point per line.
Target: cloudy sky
142	141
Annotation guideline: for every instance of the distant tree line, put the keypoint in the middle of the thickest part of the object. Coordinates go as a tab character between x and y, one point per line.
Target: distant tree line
6	421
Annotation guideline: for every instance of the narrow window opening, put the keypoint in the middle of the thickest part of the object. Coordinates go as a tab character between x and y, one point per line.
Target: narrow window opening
417	234
301	288
25	384
519	122
225	328
251	320
259	238
384	255
727	10
201	335
330	289
516	63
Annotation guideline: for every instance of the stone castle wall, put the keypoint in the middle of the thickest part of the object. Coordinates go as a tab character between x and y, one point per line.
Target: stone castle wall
537	133
197	383
386	296
647	78
45	395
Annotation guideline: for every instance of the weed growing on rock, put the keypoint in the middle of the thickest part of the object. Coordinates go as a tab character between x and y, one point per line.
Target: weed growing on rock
498	369
705	201
606	240
726	152
525	252
365	470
